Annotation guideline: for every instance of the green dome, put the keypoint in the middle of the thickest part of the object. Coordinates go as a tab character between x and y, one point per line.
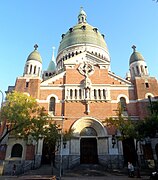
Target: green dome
35	56
135	56
82	33
51	66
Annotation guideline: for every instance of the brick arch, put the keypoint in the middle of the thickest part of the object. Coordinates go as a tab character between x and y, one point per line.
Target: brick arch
53	95
148	94
84	122
124	96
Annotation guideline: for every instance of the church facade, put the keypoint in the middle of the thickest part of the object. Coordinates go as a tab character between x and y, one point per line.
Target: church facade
79	93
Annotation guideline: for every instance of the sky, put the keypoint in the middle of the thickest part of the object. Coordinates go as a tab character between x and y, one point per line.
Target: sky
123	22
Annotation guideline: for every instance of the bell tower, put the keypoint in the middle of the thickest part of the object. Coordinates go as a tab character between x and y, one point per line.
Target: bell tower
31	79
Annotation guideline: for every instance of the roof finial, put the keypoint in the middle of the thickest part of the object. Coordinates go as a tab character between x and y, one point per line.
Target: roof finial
35	46
53	57
134	48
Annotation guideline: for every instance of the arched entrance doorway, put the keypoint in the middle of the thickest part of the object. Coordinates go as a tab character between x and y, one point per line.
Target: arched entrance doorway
88	146
88	151
90	141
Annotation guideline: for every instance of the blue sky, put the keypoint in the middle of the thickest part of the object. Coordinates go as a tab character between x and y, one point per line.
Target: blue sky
124	23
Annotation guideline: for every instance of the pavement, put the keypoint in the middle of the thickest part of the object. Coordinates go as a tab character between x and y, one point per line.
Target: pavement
94	172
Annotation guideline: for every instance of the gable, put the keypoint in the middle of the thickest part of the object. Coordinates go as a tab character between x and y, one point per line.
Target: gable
57	79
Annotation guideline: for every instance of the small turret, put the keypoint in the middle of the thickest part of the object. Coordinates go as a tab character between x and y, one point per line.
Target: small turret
33	66
51	70
82	16
137	64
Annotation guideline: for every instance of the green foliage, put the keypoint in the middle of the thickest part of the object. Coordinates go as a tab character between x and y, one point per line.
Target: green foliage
23	115
123	124
51	136
148	127
67	135
27	120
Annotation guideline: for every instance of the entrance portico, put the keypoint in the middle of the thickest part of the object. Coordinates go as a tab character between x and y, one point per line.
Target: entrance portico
90	141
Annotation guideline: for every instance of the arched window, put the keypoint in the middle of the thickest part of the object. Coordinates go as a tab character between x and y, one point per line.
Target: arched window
142	69
38	71
75	93
71	93
137	69
88	131
80	94
104	93
52	105
30	69
99	93
133	70
123	104
34	70
95	94
27	68
17	150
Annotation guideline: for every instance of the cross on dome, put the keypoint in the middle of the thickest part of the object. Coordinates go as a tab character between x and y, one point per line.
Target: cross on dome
134	48
35	46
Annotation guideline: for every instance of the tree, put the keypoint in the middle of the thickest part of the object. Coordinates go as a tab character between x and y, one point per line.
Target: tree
122	124
23	116
127	129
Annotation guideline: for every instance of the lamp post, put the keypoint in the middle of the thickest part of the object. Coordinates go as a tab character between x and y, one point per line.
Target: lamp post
61	150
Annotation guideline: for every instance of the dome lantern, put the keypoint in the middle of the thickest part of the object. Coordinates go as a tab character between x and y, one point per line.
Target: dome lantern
82	16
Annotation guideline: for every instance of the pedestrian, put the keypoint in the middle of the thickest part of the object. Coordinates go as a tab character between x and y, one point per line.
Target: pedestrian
54	178
130	169
14	169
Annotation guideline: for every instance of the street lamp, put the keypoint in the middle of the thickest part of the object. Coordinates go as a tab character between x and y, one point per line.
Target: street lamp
113	141
61	149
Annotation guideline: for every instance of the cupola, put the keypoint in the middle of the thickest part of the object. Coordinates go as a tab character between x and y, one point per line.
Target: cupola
138	67
33	66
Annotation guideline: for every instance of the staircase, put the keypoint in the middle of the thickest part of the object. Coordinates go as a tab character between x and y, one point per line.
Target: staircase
86	170
44	173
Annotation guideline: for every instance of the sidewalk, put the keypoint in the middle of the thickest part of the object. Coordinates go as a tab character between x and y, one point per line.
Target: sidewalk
108	177
82	172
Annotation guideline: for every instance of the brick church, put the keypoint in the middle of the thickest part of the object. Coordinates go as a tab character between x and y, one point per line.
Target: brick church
79	90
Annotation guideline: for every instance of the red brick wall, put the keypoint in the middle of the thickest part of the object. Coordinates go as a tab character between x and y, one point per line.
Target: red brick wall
30	151
3	148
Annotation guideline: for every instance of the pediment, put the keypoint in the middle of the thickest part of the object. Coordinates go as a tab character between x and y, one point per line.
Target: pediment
85	57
